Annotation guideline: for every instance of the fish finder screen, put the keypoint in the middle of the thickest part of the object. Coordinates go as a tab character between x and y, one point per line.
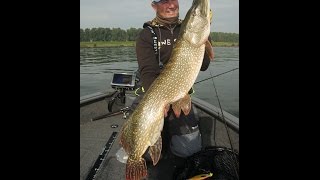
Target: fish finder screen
124	79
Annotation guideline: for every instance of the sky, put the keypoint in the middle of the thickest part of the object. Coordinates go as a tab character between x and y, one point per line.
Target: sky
125	14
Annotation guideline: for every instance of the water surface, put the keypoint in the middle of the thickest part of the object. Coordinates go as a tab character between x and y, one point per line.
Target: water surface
98	64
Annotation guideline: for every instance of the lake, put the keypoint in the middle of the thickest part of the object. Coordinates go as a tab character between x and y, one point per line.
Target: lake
98	64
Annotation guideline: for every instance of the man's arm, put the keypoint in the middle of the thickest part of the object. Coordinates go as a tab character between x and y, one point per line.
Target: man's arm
147	62
207	57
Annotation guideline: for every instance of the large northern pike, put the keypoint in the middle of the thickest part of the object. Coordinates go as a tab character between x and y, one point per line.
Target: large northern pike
144	126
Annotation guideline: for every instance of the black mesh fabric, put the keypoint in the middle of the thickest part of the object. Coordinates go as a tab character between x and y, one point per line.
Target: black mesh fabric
220	161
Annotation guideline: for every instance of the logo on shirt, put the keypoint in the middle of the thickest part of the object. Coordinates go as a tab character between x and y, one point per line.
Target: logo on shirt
166	42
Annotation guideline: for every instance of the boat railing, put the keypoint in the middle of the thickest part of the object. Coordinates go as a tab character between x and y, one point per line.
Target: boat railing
231	120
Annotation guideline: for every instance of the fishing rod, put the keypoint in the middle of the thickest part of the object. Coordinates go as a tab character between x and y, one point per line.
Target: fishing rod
215	75
121	111
222	116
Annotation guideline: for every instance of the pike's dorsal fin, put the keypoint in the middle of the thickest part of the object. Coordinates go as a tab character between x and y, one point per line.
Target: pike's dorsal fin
155	151
183	104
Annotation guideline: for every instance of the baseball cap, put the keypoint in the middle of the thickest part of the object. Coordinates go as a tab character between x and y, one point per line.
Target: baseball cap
156	1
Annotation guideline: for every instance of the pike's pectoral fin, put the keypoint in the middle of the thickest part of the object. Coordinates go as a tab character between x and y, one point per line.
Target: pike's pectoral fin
155	151
183	104
209	50
166	109
136	170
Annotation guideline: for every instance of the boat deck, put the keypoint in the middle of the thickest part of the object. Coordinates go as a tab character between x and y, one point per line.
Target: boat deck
101	137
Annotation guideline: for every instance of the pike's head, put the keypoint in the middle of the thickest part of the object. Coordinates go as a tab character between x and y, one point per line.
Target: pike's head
196	25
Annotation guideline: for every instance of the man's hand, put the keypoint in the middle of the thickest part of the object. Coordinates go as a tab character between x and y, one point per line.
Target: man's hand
209	50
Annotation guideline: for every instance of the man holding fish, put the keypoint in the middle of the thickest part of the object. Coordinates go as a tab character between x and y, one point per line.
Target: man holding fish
170	54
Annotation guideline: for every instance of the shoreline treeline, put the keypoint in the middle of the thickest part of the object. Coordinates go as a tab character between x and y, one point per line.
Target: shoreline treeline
117	34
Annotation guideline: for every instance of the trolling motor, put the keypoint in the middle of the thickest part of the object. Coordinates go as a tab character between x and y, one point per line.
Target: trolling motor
121	82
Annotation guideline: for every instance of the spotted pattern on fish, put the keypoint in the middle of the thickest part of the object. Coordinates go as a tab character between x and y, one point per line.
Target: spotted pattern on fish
144	126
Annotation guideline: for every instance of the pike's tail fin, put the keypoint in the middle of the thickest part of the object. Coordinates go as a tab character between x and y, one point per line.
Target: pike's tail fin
136	170
183	104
